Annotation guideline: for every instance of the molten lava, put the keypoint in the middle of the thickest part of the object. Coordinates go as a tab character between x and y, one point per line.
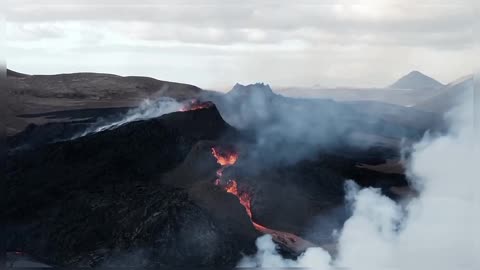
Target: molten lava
225	158
229	158
243	197
196	105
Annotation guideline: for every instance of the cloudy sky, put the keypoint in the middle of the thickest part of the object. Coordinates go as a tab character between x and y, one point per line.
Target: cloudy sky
216	43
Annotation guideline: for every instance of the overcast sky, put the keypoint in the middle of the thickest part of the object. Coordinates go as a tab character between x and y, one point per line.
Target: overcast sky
216	43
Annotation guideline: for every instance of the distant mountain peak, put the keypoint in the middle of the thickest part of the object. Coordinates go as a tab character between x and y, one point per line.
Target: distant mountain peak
258	85
415	72
252	88
416	80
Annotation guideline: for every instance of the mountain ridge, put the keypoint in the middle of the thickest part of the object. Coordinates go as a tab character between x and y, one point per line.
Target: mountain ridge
416	80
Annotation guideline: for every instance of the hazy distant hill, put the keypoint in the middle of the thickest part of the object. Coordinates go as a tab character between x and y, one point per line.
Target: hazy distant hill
416	80
79	96
412	90
37	94
94	86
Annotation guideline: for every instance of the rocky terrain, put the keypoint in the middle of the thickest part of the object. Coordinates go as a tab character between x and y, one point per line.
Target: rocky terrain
37	98
84	202
143	195
146	193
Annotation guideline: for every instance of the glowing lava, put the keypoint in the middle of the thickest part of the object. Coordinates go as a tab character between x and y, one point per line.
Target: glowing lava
245	200
229	158
225	158
289	240
243	197
196	105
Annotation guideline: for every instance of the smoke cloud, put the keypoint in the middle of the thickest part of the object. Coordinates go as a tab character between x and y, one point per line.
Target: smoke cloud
287	130
436	230
267	256
147	109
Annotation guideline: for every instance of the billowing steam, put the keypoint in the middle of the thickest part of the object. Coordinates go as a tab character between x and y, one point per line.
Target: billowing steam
437	230
282	124
147	109
288	130
268	256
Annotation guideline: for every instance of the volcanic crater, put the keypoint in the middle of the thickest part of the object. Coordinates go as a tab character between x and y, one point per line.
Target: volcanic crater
177	190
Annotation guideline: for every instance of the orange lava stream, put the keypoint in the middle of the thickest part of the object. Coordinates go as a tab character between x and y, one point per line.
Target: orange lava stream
288	239
225	158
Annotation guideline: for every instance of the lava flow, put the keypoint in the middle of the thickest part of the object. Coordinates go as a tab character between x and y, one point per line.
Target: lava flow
196	105
243	197
229	158
225	158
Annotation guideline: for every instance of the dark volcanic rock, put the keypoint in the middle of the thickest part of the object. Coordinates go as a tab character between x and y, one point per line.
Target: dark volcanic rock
197	166
35	135
11	73
142	194
99	199
290	197
138	226
133	152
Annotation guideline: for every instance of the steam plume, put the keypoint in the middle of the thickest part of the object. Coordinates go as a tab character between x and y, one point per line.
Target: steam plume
147	109
437	230
287	130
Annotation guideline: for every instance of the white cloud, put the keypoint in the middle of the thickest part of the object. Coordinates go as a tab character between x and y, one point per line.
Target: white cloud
307	42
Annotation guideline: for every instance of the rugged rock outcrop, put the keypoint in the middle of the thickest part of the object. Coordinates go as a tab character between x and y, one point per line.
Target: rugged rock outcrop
99	200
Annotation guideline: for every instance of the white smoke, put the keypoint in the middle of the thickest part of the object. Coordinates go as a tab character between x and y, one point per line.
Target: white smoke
437	230
146	110
267	256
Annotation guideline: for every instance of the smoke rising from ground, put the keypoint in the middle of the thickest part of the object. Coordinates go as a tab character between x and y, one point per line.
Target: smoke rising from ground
147	109
267	256
437	230
287	130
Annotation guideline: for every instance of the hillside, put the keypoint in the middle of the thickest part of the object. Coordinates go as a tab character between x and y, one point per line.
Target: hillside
416	80
37	94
